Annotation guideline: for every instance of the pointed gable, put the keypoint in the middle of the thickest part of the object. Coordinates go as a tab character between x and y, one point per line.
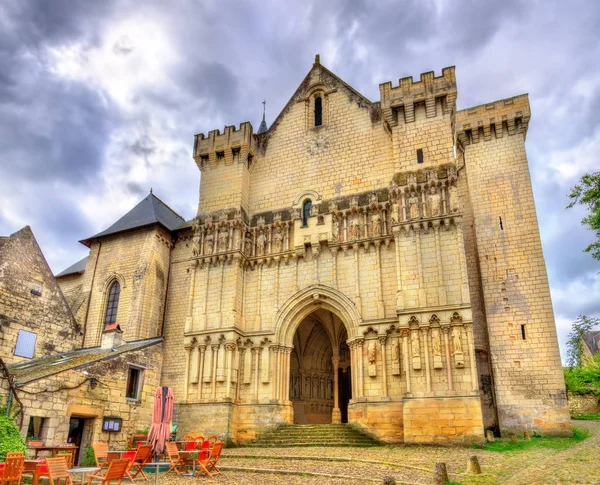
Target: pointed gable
149	211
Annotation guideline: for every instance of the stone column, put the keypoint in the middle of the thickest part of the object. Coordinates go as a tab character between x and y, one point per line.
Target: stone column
220	299
460	244
194	365
361	367
472	363
442	298
204	316
336	415
257	318
315	258
422	293
380	305
405	333
202	349
345	227
256	354
399	295
281	374
188	351
334	252
189	320
215	356
445	332
382	342
425	333
276	285
352	346
357	299
288	354
229	347
275	373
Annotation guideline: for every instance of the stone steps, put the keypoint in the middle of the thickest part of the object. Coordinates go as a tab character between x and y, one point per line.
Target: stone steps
314	435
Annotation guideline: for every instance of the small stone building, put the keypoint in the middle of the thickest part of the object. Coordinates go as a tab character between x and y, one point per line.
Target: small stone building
371	262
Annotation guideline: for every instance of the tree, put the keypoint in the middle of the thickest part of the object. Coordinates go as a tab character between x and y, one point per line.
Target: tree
574	343
587	192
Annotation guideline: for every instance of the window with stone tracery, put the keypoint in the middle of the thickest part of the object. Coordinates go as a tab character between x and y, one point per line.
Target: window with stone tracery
112	305
318	111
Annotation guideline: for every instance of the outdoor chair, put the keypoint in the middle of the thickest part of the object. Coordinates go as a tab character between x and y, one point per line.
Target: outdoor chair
12	472
178	463
116	471
101	455
69	456
204	449
209	464
142	456
57	471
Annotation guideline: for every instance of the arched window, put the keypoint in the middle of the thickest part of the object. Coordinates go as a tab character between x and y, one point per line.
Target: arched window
306	206
318	111
113	303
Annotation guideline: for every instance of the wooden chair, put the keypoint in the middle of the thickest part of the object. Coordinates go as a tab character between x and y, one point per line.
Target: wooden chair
69	456
178	463
101	455
57	471
209	464
12	473
116	471
142	456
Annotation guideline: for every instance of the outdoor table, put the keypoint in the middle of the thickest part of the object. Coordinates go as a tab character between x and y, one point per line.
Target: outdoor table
83	470
34	467
187	452
53	449
157	464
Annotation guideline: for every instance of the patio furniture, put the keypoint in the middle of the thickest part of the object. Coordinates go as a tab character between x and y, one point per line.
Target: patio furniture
12	472
157	464
178	463
84	470
54	449
101	455
69	456
142	456
57	471
209	464
37	468
115	472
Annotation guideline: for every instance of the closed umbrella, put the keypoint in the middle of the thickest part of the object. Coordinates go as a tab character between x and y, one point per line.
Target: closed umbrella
162	413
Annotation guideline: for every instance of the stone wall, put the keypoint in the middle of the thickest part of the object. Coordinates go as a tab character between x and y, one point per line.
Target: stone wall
583	403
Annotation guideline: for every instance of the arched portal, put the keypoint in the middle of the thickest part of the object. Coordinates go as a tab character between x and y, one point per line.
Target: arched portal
320	385
316	322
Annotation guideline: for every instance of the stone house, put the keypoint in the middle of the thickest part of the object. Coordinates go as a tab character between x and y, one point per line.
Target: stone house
376	263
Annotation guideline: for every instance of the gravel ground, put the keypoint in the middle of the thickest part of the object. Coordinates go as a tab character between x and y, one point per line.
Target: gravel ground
579	464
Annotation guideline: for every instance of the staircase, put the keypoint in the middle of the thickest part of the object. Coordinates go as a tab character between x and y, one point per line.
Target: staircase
314	435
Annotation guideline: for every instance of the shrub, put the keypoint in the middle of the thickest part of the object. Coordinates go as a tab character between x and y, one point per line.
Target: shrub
89	459
10	437
584	379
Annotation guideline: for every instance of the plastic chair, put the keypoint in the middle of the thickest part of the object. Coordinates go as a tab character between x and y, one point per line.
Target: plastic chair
57	471
116	471
12	473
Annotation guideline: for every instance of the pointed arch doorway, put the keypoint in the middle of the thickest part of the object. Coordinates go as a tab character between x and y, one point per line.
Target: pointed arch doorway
320	371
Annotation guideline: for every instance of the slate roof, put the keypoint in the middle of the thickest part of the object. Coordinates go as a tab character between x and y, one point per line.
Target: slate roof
37	369
592	340
263	126
149	211
77	268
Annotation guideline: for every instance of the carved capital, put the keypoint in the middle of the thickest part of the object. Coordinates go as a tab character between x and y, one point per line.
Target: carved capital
230	347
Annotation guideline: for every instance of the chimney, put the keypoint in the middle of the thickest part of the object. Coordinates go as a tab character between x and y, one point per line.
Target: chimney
112	337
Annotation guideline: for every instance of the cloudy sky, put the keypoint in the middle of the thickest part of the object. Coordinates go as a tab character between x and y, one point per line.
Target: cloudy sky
99	100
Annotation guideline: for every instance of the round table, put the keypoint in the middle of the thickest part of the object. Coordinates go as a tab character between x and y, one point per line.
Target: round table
83	470
157	464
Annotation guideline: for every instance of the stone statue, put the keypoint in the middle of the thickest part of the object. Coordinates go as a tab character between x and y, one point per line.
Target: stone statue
396	351
261	240
434	202
413	203
354	229
456	342
196	240
395	214
223	239
278	240
414	344
335	233
248	243
372	350
376	224
453	191
435	342
209	242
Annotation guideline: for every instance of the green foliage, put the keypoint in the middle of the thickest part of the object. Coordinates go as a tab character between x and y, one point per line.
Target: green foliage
502	445
587	417
587	192
89	459
574	344
584	379
10	437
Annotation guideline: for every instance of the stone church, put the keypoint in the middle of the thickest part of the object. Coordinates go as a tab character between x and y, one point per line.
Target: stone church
376	263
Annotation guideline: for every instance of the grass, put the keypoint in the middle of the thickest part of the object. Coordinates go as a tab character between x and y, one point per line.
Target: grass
587	417
503	445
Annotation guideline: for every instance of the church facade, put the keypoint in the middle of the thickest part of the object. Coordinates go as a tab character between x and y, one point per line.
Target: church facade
372	263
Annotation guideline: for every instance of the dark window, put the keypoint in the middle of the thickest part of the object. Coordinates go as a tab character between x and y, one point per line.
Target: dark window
318	112
523	335
306	206
36	427
419	155
113	303
133	383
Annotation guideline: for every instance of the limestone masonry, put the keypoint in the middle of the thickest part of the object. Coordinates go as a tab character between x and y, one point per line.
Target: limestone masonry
376	263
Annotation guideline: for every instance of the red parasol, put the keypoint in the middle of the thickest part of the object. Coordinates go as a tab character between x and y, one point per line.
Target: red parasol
161	419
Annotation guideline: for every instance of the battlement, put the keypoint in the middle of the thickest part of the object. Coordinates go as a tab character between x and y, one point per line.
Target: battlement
427	90
510	115
231	145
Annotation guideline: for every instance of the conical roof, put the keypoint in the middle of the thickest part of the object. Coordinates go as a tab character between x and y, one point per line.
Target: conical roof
263	126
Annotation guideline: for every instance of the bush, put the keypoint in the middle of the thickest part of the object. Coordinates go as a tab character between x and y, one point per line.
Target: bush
10	437
89	459
584	379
